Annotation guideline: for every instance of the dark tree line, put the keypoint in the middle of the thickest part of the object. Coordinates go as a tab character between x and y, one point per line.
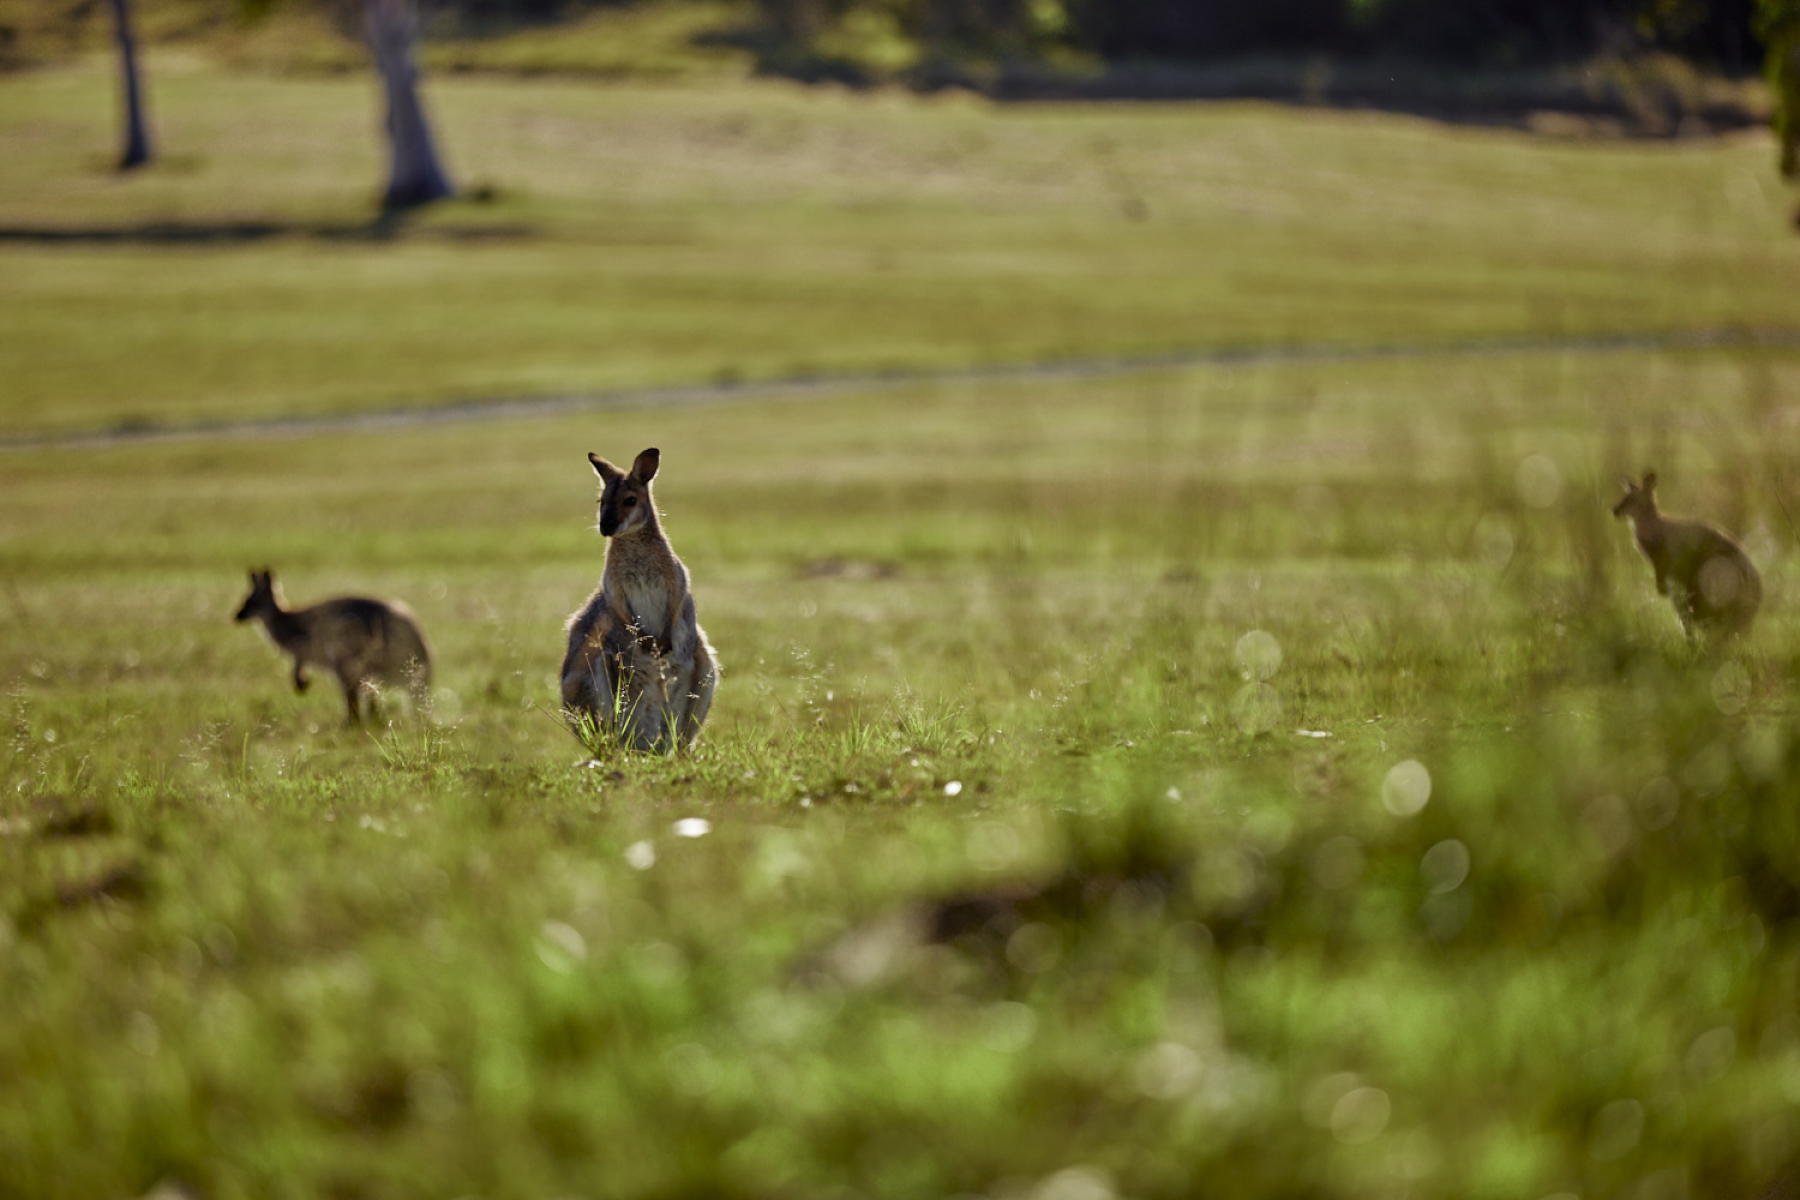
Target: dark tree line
1489	32
1732	35
1736	36
1718	33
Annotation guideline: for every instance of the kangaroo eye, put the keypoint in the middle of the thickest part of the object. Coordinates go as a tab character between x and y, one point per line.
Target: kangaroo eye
631	502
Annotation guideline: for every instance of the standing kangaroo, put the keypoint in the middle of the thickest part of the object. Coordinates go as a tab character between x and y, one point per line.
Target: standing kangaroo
638	664
1704	573
365	643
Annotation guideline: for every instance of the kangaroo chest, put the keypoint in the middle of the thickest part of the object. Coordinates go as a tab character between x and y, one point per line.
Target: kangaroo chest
1650	538
642	589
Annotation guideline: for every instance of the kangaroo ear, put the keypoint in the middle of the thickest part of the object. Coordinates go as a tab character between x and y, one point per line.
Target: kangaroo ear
1649	481
644	469
604	469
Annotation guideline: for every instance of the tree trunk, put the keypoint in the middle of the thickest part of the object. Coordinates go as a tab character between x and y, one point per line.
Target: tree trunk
414	174
137	134
1788	81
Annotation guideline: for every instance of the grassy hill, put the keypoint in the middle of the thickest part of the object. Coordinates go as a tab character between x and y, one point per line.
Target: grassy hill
654	235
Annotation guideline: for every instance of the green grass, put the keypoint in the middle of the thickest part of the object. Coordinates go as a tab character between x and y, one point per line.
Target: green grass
653	235
983	653
254	953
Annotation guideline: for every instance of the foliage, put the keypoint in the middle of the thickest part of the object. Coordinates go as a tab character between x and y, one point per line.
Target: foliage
1778	24
1465	32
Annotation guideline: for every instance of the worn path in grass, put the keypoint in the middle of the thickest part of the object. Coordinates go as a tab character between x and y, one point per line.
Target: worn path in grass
504	407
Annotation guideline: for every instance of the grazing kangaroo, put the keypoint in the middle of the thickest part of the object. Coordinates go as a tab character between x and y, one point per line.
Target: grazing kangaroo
365	643
637	664
1704	573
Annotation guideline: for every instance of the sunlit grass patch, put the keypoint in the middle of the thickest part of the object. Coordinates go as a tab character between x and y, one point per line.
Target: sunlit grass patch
638	236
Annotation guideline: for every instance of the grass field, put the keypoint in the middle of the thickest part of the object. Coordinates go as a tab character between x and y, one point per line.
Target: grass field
647	235
1028	872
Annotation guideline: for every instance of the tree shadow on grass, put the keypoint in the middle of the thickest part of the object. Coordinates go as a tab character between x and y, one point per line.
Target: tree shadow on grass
386	228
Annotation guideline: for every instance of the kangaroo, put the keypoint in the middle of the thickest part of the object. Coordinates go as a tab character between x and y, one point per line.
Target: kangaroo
365	643
1704	573
637	663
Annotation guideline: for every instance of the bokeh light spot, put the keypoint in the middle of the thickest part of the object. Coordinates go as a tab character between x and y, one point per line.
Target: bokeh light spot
1610	821
1075	1183
1257	656
1407	788
432	1095
1322	1095
1445	866
1616	1131
993	846
1008	1026
560	946
1167	1070
1256	708
1493	541
1731	688
1360	1115
1710	1056
1539	481
143	1034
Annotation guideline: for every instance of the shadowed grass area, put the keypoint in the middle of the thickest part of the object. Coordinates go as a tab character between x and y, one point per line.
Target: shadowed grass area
1025	874
644	236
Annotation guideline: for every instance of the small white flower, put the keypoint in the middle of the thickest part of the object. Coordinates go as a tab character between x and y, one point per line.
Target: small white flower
693	827
953	788
640	856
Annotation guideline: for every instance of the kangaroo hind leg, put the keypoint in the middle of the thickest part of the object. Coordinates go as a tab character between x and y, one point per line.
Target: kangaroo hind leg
697	695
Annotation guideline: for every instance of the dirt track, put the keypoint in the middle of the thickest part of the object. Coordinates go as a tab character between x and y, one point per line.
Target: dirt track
504	408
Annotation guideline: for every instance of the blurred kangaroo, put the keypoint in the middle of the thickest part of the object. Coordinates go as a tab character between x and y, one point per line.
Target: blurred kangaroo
366	643
1704	573
638	665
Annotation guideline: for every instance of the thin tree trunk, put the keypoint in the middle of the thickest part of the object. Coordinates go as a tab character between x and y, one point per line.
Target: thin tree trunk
414	174
137	133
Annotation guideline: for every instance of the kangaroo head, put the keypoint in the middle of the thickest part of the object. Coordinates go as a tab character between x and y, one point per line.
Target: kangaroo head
1639	500
625	495
261	598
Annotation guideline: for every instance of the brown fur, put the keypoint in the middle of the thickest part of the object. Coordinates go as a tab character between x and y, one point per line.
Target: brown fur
1704	573
366	643
638	664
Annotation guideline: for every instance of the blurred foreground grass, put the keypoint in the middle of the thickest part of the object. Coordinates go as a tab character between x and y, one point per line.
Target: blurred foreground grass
1017	882
642	235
